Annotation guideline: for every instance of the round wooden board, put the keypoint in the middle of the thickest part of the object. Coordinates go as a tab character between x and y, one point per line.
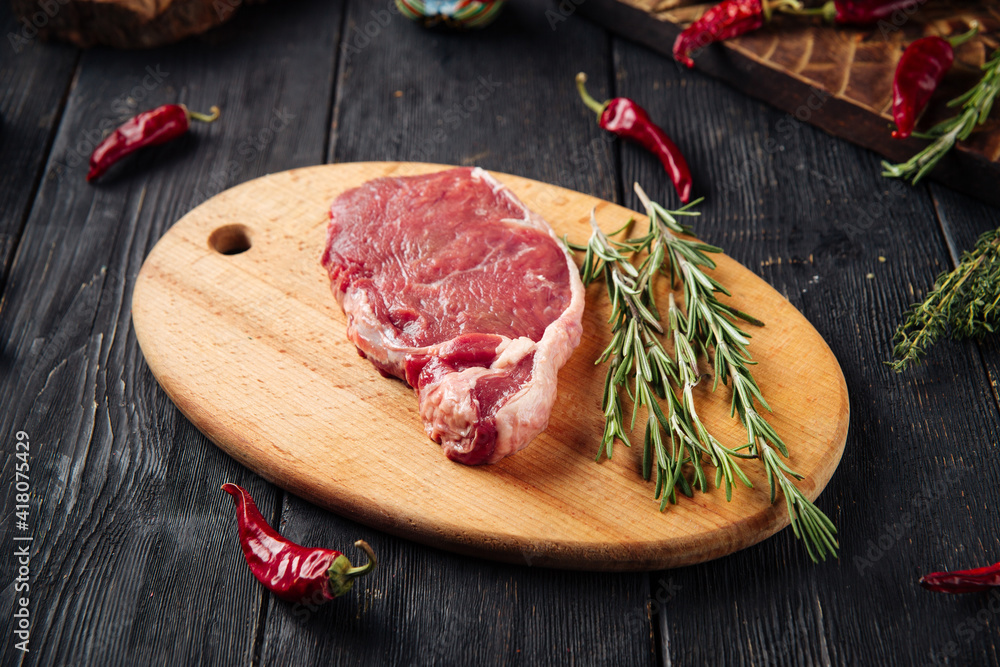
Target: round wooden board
251	348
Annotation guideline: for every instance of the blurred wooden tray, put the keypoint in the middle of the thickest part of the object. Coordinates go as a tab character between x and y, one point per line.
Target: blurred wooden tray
838	78
123	24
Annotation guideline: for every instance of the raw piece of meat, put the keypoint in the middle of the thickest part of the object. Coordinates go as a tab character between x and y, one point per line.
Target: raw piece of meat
450	283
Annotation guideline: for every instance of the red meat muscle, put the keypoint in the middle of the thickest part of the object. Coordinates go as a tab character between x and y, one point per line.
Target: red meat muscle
450	283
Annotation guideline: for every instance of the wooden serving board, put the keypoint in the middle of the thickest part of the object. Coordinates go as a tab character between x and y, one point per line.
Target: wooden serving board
838	78
235	317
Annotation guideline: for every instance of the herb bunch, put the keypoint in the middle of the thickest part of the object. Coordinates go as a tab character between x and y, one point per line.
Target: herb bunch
662	382
963	302
976	103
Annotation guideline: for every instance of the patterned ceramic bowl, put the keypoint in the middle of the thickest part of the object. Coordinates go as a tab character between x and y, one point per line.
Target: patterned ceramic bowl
451	13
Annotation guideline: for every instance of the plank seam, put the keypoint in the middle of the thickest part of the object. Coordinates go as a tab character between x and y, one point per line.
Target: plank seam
43	169
616	147
329	139
339	73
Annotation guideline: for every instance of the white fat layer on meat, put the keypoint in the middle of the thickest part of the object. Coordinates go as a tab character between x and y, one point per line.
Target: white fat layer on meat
528	218
448	409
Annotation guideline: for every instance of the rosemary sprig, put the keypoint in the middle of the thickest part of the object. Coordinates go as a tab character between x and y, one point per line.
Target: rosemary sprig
705	328
963	302
636	352
976	103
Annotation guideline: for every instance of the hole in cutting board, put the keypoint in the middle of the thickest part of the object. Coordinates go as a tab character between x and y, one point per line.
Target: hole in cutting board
230	239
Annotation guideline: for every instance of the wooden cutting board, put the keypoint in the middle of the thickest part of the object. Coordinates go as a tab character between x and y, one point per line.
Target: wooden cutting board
235	317
838	78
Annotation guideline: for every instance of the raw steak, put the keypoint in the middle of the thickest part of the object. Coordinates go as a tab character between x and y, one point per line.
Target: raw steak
450	283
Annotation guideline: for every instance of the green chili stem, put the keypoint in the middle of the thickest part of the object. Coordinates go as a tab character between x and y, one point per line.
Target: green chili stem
204	117
958	40
362	569
592	104
827	10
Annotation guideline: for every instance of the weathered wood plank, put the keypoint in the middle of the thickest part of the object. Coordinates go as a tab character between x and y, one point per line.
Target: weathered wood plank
813	217
34	80
502	99
962	220
135	559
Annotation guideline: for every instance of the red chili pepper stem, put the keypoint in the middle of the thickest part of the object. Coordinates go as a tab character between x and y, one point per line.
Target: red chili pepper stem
958	40
592	104
204	117
827	10
367	567
786	6
341	575
856	12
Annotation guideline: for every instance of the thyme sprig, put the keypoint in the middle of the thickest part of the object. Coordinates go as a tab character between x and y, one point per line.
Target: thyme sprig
963	302
976	103
663	382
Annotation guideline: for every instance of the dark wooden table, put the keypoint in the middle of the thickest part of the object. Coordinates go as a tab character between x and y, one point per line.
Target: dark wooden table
134	560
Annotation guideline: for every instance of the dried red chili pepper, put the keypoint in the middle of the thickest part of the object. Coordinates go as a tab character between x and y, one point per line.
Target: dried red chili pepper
857	12
149	128
866	12
624	118
290	571
732	18
725	20
963	581
918	73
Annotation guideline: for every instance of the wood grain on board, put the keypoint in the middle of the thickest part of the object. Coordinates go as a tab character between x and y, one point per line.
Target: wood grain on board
838	77
236	320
